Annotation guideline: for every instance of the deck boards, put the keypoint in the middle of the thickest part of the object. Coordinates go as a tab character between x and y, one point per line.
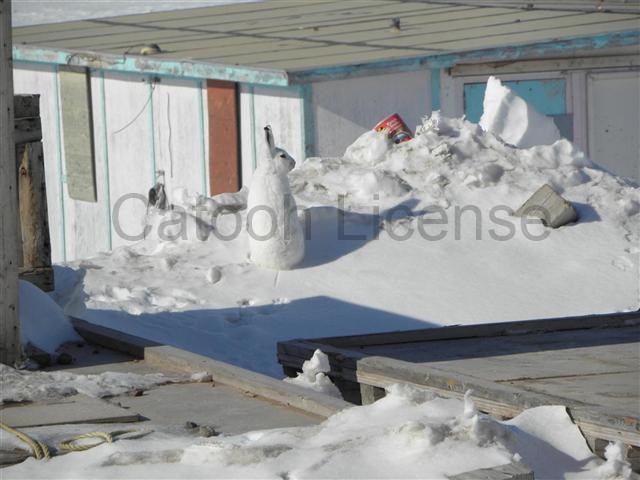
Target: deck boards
590	364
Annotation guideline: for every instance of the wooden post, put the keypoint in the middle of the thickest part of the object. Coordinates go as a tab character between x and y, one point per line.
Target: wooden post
10	351
34	255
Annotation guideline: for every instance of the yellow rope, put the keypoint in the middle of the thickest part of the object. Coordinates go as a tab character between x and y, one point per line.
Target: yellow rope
41	450
70	445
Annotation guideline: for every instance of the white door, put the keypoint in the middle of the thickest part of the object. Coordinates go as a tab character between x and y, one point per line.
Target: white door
614	121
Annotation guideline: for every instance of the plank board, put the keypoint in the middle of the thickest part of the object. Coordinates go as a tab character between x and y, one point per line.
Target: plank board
590	364
76	409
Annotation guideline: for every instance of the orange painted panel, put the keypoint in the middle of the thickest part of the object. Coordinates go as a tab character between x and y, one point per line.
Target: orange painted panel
224	151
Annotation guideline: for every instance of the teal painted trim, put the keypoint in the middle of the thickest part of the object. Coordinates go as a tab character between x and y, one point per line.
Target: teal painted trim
105	155
202	139
152	133
63	223
252	125
435	89
307	120
444	60
149	65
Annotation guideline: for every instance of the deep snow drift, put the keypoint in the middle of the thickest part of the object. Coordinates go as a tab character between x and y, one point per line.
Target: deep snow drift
416	235
407	434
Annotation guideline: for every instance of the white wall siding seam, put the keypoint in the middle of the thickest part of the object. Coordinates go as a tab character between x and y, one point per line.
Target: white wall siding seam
152	132
204	165
59	162
252	124
105	154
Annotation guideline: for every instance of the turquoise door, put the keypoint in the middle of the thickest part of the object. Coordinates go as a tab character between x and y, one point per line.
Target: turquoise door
548	96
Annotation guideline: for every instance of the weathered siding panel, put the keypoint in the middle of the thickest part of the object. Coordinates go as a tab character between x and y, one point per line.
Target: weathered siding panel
178	135
87	227
345	109
279	107
41	80
222	112
131	151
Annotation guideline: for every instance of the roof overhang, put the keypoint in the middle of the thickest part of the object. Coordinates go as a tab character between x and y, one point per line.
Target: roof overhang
149	65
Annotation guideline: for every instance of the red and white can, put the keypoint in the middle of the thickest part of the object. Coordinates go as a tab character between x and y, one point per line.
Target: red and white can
396	129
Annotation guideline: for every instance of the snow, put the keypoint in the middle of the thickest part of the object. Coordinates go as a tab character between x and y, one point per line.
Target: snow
42	322
407	434
23	386
421	238
313	375
406	236
513	119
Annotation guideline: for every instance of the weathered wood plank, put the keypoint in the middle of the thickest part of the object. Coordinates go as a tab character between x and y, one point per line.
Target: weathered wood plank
77	130
521	327
9	320
76	409
12	457
511	471
41	277
35	262
27	130
26	106
224	151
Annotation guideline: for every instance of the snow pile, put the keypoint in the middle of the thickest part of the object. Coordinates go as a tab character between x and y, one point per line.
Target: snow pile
370	148
513	119
314	376
43	324
432	218
407	434
25	386
616	465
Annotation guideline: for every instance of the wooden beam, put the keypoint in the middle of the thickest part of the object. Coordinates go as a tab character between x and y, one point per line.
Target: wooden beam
35	264
10	351
224	153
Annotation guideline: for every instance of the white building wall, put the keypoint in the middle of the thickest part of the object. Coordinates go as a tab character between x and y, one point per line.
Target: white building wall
345	109
279	107
138	128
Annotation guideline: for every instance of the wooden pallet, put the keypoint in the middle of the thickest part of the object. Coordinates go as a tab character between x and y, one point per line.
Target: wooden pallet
591	364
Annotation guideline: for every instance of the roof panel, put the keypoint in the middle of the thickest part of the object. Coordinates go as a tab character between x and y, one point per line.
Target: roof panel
313	34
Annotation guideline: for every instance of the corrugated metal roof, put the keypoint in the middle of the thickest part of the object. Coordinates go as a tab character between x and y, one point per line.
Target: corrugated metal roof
288	38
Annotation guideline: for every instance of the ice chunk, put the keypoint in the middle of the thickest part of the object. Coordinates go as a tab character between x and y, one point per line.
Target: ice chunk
513	119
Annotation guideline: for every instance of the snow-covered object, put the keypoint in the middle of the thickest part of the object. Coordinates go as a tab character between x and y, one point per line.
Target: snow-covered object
513	119
369	148
25	386
276	238
616	467
314	376
42	322
407	434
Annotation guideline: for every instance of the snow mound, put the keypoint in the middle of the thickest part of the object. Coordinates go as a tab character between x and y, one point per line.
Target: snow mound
513	119
25	386
407	434
314	376
42	322
369	149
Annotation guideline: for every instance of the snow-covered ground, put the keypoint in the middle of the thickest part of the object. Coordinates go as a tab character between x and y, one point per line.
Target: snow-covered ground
373	261
407	434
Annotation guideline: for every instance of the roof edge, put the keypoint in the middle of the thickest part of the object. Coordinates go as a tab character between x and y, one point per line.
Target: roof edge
150	65
445	60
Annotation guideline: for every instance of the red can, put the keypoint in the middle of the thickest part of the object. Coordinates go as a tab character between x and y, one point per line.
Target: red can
396	129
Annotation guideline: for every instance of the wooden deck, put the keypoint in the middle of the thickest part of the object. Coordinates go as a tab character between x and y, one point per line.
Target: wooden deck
590	364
